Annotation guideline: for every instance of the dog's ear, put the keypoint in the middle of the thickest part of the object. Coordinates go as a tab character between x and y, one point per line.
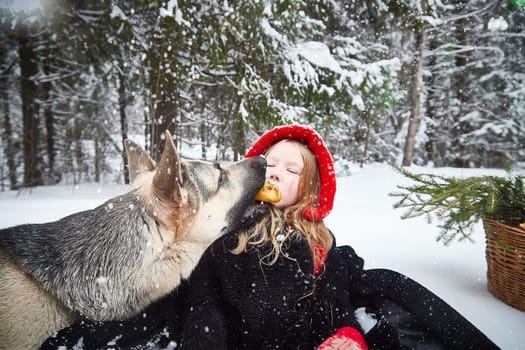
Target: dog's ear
168	177
139	160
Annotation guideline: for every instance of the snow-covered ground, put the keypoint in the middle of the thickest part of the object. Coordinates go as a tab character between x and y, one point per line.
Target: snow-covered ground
363	217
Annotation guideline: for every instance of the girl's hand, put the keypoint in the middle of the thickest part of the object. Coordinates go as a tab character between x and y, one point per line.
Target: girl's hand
346	338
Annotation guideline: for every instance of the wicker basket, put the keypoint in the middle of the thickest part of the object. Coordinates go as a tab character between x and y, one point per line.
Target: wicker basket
506	262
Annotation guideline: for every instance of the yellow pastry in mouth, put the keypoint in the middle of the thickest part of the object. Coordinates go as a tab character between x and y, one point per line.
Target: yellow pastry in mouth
268	193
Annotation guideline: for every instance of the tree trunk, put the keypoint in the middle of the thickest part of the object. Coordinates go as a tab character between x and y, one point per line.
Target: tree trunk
164	119
47	54
98	159
9	150
415	92
460	89
78	155
49	120
7	135
432	144
239	137
29	93
368	121
164	102
204	139
123	102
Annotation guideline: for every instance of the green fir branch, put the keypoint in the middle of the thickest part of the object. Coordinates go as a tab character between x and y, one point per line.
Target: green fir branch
459	203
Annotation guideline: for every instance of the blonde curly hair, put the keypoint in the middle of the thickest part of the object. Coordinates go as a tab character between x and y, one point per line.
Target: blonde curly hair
274	227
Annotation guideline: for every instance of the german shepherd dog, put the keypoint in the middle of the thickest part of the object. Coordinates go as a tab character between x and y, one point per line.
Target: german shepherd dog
111	262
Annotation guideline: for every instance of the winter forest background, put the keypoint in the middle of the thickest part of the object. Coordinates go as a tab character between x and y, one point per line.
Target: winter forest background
425	82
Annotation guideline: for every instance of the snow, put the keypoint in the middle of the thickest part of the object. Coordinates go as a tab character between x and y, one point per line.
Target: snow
23	5
116	12
363	217
318	54
497	24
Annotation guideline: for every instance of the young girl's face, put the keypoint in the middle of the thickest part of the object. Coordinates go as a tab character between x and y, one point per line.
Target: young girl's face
284	167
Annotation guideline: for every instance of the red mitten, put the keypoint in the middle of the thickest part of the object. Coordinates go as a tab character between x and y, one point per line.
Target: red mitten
346	338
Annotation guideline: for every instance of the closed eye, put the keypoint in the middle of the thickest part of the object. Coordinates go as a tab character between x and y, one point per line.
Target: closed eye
293	171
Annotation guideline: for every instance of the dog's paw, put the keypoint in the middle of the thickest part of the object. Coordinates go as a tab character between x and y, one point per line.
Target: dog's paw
268	193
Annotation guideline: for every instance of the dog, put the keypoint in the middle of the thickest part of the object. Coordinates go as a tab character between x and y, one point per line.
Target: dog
110	262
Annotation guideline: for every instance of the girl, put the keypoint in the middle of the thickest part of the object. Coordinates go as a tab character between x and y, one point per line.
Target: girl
281	284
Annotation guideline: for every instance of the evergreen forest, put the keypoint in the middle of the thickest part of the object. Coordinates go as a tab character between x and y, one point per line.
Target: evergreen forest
425	82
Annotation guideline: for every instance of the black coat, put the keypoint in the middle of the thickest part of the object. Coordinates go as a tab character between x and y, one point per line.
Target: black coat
283	305
412	317
238	302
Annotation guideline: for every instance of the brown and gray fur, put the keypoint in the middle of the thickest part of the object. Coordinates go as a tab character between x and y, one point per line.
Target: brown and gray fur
112	261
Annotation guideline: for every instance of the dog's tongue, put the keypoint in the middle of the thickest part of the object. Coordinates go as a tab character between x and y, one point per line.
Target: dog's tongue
253	213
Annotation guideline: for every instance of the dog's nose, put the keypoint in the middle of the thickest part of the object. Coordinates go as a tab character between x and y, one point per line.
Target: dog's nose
258	162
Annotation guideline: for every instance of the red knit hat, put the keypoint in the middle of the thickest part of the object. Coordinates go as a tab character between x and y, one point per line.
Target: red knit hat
315	143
